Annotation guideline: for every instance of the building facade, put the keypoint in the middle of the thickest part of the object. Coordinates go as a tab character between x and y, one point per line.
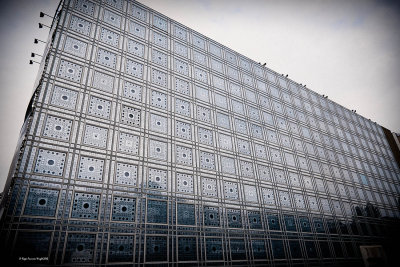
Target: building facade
146	142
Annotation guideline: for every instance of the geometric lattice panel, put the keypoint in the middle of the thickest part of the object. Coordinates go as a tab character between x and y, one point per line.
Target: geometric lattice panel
184	183
112	18
133	91
80	248
182	107
109	37
158	150
225	141
273	222
120	248
64	98
231	190
85	206
75	47
290	223
299	200
246	169
157	179
254	220
103	82
85	7
130	116
135	48
264	173
184	155
209	187
228	165
278	249
99	107
126	174
207	160
58	128
183	130
134	68
91	169
124	209
203	114
187	249
128	143
160	39
156	248
205	136
240	125
136	29
284	198
106	58
259	251
182	86
186	214
157	211
211	216
95	136
50	162
234	218
238	249
160	124
214	249
243	146
70	71
41	202
80	25
159	78
159	100
159	58
250	193
268	196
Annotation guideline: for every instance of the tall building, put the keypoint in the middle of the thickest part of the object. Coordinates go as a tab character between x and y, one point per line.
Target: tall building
146	142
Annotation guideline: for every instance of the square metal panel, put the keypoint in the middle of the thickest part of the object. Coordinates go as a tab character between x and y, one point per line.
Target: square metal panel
120	248
184	183
50	162
99	107
126	174
80	248
128	143
70	71
95	136
64	98
85	206
58	128
91	169
123	209
41	202
158	149
157	179
157	211
103	82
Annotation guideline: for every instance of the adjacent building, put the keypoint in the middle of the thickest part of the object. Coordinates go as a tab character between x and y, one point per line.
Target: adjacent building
146	142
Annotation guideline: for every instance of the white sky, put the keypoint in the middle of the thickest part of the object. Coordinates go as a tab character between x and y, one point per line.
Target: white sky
348	50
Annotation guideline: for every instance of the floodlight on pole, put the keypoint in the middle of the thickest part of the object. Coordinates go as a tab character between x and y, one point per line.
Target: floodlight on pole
42	14
32	61
36	41
34	54
41	25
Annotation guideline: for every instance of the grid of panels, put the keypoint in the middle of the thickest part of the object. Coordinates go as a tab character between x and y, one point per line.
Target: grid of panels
198	136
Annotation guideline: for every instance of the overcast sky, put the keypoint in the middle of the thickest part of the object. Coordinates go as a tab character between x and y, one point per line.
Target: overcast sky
346	49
